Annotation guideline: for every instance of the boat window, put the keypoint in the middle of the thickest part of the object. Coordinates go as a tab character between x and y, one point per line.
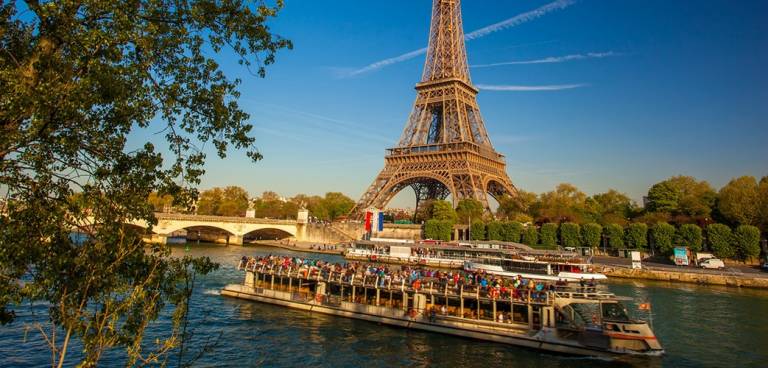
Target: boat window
520	313
614	312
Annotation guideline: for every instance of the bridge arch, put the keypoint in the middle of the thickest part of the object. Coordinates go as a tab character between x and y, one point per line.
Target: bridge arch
267	233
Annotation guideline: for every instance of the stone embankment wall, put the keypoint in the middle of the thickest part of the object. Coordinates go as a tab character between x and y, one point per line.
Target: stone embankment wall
688	277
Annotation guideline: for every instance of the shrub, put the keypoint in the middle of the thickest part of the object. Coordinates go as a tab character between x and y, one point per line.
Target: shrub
478	230
615	235
721	240
511	231
689	235
570	234
661	236
438	229
590	234
495	231
531	236
548	235
747	240
636	236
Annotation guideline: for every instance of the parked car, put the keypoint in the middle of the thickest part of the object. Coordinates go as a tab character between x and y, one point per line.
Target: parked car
712	263
765	264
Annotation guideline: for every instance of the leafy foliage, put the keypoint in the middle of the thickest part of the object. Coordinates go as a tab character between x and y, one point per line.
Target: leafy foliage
443	210
229	201
469	209
438	229
615	235
662	236
512	231
570	234
682	195
531	236
548	234
739	201
747	240
721	240
636	235
565	203
591	234
689	235
495	230
76	79
477	230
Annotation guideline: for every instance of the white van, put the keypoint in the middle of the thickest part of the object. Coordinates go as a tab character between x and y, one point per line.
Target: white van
712	263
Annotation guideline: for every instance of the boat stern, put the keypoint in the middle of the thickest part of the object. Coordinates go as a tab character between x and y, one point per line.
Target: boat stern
635	337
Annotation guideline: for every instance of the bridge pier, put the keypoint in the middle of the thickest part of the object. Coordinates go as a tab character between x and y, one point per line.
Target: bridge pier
235	240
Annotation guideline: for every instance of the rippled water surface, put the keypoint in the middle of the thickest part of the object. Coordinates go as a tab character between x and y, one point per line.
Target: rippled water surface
698	326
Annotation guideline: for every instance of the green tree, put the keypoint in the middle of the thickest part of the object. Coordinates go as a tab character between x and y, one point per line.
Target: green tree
565	203
610	207
662	237
517	207
209	201
689	235
438	229
682	196
763	200
747	241
495	231
469	209
570	234
548	234
512	231
637	235
477	230
531	236
591	234
229	201
721	240
443	210
234	202
337	205
739	201
76	79
615	235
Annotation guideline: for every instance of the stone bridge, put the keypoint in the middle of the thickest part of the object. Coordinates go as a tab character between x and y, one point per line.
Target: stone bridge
232	229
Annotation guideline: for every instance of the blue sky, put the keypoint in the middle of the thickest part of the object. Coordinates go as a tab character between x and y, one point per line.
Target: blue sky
635	92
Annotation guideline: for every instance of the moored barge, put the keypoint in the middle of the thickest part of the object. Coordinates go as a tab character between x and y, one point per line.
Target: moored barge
569	321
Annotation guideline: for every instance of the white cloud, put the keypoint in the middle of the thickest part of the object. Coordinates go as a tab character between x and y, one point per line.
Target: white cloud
517	88
553	59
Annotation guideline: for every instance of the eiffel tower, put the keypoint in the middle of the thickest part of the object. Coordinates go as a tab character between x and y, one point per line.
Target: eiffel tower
444	149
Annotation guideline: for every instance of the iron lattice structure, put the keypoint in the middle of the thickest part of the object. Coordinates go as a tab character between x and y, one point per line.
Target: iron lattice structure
444	149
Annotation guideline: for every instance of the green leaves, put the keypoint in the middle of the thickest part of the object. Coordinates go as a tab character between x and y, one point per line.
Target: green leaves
76	79
570	234
591	234
747	240
662	235
721	240
548	234
689	235
438	229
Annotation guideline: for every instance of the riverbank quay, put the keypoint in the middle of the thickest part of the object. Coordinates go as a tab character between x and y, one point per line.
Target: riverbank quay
701	277
306	247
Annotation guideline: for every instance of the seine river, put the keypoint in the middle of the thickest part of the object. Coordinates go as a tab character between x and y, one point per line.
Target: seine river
698	326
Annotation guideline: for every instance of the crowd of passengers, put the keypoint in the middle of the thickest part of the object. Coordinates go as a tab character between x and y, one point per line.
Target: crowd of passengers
487	285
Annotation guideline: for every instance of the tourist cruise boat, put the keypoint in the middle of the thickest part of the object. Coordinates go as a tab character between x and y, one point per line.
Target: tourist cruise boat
504	259
568	321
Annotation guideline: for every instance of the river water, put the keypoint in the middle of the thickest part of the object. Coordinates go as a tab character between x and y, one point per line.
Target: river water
698	326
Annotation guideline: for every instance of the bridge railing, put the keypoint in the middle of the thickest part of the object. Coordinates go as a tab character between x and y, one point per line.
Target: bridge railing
242	220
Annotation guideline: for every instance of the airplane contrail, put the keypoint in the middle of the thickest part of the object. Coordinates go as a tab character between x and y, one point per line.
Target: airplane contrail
482	32
517	88
552	59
